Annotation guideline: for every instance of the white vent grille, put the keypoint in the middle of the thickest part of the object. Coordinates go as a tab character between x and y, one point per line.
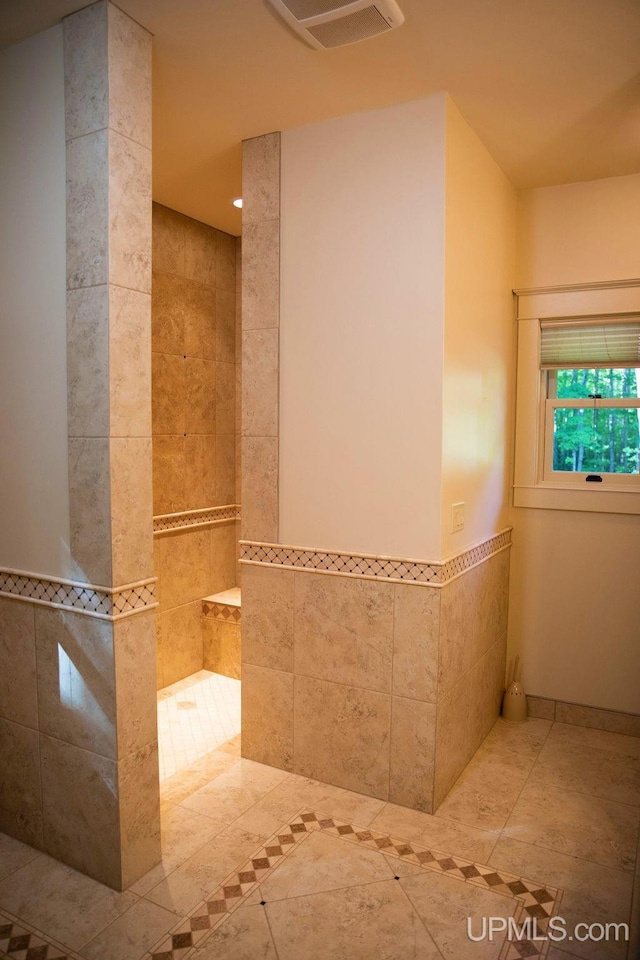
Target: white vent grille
355	26
331	23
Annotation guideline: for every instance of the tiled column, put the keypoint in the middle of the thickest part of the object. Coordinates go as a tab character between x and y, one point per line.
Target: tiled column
96	677
260	336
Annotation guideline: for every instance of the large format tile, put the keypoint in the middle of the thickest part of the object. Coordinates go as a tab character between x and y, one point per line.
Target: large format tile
267	716
225	261
602	831
225	326
223	539
592	893
14	855
221	647
134	932
131	508
168	474
129	69
169	307
610	720
261	275
261	178
601	773
450	907
260	383
413	740
86	93
88	361
169	240
342	735
416	628
90	509
457	839
180	641
134	641
225	398
200	252
588	737
88	210
139	811
129	212
234	791
18	700
268	617
225	469
20	787
483	797
129	362
245	935
260	489
370	922
324	863
200	393
344	630
183	567
169	394
67	905
200	471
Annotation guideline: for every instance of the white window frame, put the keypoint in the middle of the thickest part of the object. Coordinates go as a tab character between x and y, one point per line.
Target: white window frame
532	487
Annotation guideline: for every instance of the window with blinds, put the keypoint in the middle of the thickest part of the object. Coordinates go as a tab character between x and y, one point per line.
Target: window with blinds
590	343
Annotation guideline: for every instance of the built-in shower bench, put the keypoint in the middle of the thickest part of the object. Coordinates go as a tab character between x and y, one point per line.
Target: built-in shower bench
221	614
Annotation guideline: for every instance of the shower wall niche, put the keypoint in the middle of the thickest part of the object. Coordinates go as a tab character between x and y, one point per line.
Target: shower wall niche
194	373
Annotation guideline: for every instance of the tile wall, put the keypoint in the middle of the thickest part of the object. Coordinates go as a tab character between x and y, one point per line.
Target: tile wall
194	397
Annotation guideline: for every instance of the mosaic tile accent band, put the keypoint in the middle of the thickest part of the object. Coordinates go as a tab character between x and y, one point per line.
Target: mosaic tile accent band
19	940
533	899
196	518
221	611
105	603
370	567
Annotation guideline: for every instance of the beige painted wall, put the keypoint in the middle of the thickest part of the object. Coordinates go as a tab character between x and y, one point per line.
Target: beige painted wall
362	230
579	232
574	612
478	339
34	505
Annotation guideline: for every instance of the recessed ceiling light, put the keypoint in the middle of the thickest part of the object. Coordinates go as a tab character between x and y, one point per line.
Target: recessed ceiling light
237	202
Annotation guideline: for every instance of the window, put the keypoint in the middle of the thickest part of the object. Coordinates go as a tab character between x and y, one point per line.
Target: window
577	439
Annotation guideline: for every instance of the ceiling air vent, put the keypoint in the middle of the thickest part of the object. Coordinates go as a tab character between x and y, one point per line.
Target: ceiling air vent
329	23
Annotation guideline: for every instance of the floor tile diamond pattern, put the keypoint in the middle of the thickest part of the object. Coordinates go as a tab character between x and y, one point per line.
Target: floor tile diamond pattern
19	941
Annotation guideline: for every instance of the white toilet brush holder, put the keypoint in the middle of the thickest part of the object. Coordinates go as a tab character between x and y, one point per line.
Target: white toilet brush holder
514	703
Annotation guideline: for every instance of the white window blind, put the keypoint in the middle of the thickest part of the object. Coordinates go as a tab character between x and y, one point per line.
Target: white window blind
590	343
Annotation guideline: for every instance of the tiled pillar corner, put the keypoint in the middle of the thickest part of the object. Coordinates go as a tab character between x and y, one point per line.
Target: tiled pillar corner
260	336
96	678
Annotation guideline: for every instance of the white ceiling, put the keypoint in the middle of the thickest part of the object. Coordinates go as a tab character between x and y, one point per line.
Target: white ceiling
552	87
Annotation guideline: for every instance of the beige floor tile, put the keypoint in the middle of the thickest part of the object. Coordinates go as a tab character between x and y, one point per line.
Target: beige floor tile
322	863
181	785
445	904
587	769
601	739
484	795
516	746
592	893
184	832
59	901
601	831
14	855
245	935
130	935
402	868
436	832
200	874
235	791
371	922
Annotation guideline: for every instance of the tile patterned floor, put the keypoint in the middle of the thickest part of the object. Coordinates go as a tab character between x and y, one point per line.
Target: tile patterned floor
259	864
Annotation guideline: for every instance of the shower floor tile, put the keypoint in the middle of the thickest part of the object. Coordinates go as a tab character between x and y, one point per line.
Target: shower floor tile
195	716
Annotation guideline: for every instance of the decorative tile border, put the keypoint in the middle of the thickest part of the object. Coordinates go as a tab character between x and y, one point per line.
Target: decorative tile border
371	567
228	613
19	940
533	900
105	603
196	518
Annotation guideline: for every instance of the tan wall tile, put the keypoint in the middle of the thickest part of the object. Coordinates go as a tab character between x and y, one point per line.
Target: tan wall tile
90	509
18	699
456	632
169	308
169	392
130	362
86	93
342	735
223	539
261	177
80	809
226	398
225	261
87	210
180	641
221	642
199	472
200	379
20	789
200	252
129	72
615	722
225	326
260	383
541	708
260	489
413	741
88	362
134	642
129	213
225	469
261	275
76	680
268	617
131	508
416	631
184	567
139	798
169	240
344	630
200	320
267	716
169	475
